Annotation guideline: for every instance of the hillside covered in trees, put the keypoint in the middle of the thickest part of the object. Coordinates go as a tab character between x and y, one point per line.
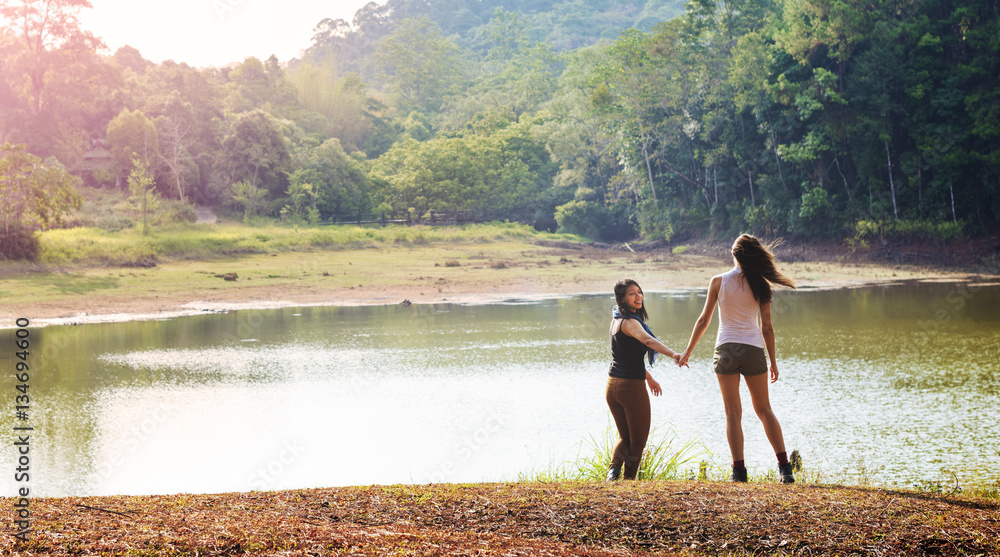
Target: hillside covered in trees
614	119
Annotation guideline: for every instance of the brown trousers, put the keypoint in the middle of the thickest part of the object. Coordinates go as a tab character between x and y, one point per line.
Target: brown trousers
628	401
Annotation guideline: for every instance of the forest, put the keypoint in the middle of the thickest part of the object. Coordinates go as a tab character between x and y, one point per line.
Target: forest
850	120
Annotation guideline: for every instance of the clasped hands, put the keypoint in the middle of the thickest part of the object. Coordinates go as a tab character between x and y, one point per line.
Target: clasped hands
682	359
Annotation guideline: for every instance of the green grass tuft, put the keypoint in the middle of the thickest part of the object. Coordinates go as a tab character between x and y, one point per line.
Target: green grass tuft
663	459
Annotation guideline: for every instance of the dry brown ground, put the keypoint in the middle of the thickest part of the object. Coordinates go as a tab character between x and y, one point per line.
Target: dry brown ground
645	518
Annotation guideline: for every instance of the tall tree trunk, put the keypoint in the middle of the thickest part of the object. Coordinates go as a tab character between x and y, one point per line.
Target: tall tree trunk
892	187
846	187
704	187
920	185
649	171
774	147
951	190
749	177
715	179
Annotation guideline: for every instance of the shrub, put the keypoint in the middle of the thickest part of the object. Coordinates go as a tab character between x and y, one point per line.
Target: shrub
867	231
18	243
816	214
595	220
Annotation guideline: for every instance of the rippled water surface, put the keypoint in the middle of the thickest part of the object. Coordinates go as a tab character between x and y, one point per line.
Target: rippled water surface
900	383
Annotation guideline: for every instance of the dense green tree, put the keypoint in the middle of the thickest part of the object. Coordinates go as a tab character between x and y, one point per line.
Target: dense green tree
350	114
141	186
47	29
517	76
192	102
338	183
61	91
259	85
132	135
256	153
33	195
421	65
499	168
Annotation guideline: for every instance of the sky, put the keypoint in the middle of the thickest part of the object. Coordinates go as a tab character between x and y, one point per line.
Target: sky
212	32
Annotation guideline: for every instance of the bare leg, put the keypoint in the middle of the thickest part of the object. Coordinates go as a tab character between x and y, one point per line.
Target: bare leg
730	387
762	406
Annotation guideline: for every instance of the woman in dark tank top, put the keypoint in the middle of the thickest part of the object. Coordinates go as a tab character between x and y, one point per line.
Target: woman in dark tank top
626	393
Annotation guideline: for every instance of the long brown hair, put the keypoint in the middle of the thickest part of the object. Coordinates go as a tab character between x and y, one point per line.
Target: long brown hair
620	288
757	263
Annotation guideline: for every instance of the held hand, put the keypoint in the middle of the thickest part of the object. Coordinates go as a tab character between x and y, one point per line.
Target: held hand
683	359
654	386
677	360
774	372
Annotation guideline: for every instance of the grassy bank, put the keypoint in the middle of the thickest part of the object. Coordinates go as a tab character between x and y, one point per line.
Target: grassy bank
536	519
128	247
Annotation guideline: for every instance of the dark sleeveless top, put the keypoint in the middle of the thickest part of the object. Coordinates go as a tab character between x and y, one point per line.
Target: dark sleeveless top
627	355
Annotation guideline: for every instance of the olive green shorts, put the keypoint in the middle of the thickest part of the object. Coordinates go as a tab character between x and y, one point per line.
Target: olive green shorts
734	357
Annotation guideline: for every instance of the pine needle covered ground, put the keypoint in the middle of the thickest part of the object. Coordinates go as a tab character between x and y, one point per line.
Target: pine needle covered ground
654	517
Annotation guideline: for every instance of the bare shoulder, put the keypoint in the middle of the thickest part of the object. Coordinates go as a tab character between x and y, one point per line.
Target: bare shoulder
715	283
632	328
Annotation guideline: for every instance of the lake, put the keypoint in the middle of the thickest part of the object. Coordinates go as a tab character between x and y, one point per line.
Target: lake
895	384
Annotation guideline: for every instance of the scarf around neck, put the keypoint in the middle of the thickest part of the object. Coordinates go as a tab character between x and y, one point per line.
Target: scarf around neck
617	314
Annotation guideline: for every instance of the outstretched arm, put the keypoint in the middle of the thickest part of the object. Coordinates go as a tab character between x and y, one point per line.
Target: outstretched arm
701	325
633	329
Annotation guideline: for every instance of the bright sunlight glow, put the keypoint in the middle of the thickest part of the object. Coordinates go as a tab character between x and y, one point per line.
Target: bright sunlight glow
212	32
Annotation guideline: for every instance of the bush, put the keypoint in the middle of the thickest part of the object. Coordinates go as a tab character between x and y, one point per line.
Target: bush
816	214
867	231
655	223
18	243
595	220
764	220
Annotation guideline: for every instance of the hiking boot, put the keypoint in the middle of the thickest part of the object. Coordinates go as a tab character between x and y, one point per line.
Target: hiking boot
739	474
614	474
785	470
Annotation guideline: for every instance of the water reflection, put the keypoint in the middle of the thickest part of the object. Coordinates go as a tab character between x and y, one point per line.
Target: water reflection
901	379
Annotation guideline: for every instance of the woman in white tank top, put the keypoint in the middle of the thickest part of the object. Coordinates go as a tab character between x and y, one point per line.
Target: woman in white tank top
744	294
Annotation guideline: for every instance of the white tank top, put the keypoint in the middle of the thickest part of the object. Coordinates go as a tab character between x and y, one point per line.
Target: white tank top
738	311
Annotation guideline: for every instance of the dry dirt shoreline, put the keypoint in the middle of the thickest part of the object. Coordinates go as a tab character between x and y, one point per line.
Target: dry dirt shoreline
466	274
519	519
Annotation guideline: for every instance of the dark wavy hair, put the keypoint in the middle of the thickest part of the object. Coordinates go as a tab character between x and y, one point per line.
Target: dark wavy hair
620	288
757	263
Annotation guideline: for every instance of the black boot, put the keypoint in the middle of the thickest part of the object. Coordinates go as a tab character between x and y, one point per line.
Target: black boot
739	474
785	470
614	474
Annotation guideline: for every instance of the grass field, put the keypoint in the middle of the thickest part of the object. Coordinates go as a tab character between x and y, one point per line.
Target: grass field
128	247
